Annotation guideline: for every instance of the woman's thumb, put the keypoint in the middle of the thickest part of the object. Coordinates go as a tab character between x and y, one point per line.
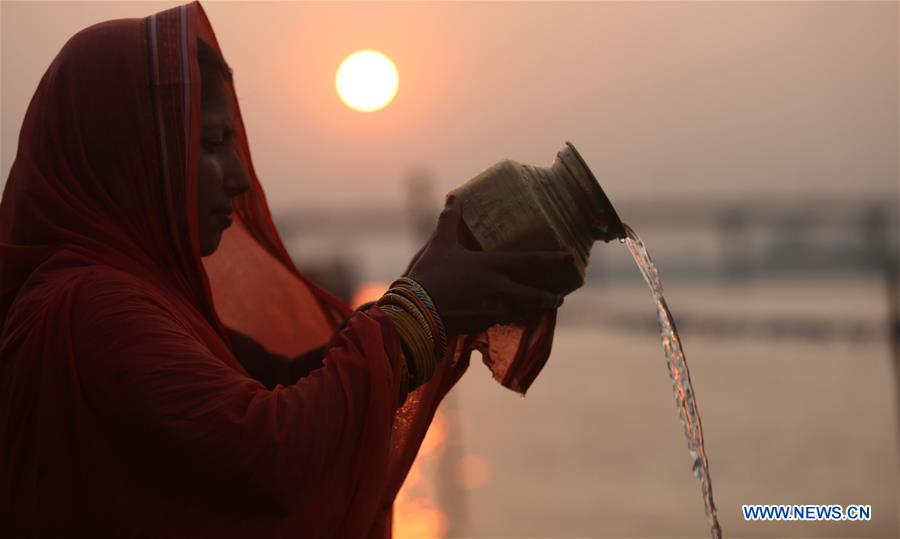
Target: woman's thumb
448	222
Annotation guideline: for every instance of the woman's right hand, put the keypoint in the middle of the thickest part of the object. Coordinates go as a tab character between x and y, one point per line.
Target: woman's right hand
473	290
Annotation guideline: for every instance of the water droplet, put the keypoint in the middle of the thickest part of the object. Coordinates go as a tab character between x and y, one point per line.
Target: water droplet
622	241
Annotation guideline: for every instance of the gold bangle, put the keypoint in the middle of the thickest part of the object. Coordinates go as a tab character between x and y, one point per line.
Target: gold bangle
424	356
407	283
412	309
434	326
410	332
394	314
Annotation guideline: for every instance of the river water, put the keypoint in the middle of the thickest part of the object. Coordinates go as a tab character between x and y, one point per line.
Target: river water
594	452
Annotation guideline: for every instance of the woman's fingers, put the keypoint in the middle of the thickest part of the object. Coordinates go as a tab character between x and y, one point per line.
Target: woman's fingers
528	298
540	269
472	321
534	261
473	290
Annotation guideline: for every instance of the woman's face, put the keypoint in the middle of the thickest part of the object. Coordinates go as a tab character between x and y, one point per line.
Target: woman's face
222	175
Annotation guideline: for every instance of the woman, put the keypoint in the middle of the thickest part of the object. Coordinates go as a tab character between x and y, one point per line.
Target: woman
145	385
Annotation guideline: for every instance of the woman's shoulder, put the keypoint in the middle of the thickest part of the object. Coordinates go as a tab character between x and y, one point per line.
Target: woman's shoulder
98	281
64	271
103	297
88	301
111	309
88	289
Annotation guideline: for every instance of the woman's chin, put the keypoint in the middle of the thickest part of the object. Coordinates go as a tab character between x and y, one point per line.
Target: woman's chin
209	244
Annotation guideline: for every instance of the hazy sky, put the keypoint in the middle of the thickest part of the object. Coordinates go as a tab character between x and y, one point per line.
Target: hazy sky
712	99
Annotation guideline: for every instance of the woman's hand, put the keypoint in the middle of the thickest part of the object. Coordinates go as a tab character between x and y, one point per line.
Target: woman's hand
473	290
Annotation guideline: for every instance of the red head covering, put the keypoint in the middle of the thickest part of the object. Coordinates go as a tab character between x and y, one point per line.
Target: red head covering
122	406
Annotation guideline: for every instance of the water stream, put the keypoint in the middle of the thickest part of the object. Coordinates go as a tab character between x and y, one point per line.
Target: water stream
680	377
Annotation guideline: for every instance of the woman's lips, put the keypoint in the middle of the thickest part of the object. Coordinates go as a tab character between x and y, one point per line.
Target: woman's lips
224	219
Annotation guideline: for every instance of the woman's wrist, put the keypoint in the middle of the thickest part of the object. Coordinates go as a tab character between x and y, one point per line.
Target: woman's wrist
409	370
423	337
419	326
413	290
420	366
405	377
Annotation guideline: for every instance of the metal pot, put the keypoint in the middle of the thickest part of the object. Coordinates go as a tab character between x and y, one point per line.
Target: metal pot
516	207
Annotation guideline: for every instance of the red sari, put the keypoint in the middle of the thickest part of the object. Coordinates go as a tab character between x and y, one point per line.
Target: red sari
123	408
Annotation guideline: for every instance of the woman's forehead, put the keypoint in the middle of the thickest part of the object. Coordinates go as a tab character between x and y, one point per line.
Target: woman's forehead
216	106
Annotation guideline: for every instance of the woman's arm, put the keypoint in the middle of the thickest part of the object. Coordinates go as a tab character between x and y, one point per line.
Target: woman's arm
152	384
270	368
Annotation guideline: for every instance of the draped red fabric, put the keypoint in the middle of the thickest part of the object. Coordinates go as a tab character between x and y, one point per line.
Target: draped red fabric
123	408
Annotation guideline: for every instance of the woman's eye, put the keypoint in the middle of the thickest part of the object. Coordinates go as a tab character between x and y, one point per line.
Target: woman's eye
213	145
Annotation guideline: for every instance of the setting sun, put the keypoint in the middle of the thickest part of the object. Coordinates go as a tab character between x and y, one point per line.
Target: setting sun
367	81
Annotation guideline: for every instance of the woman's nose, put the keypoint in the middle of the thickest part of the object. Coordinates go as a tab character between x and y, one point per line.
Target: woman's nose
237	180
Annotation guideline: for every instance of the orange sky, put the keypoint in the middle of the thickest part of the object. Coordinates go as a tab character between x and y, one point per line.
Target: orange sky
701	99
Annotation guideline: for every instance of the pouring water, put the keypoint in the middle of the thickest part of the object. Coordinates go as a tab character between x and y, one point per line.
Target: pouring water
679	375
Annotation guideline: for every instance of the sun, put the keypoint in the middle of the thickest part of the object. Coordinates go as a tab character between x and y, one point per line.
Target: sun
367	81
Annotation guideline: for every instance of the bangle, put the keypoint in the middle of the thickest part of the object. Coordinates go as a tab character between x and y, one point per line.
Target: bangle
391	296
411	333
419	291
406	358
426	313
417	334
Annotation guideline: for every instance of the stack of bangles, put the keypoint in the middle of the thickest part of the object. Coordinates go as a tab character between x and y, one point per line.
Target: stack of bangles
421	331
